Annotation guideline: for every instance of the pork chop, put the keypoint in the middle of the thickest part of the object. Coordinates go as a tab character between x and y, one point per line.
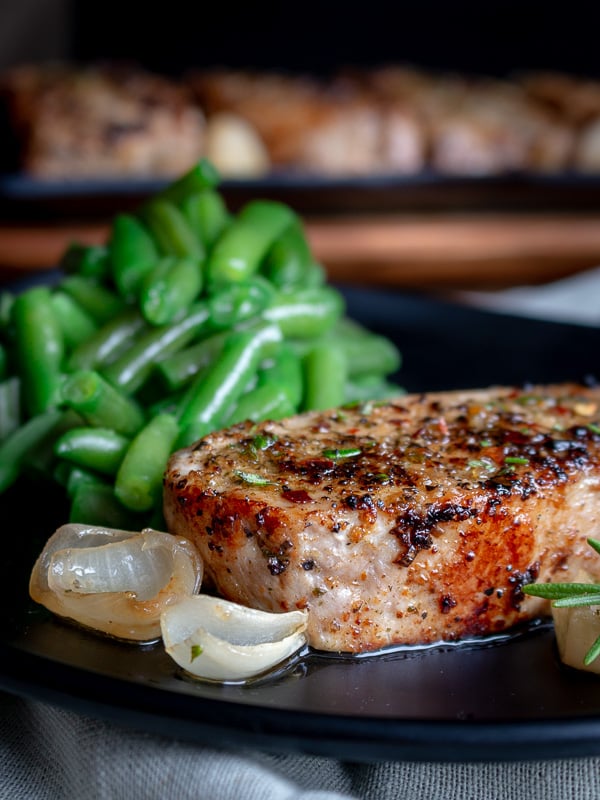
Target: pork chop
414	521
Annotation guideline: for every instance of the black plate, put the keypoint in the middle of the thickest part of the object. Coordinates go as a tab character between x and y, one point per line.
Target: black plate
24	197
508	699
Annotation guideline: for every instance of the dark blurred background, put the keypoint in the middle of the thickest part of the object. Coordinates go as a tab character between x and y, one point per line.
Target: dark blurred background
467	35
471	35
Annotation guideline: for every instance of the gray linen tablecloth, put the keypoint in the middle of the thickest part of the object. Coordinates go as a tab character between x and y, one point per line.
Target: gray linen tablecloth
48	753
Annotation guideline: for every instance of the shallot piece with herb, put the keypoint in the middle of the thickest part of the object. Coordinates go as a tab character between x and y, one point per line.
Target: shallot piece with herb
576	616
218	640
113	581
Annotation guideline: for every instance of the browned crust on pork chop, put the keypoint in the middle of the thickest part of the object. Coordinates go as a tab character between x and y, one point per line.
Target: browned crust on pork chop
410	522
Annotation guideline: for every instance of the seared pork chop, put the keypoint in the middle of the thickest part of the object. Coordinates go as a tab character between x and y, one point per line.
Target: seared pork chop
410	522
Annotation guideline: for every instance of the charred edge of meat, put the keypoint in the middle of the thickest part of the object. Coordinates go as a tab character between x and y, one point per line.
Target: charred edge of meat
277	560
447	603
519	579
413	530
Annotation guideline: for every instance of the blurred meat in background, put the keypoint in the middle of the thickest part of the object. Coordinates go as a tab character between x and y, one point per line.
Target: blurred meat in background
107	119
335	90
423	143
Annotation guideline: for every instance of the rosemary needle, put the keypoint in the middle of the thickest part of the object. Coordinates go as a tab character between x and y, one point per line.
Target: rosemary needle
570	595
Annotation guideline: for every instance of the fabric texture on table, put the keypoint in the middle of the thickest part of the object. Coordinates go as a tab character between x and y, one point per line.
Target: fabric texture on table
47	753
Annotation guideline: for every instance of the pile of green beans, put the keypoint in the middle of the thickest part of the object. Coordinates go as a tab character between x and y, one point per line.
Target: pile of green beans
188	319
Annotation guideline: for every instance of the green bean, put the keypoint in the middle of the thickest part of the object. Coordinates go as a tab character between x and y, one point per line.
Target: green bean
241	301
368	353
207	215
325	375
167	404
133	254
10	406
76	324
270	214
171	230
99	301
72	477
96	504
7	300
238	252
306	313
100	449
285	371
201	176
17	445
100	404
91	261
169	289
370	387
188	318
39	349
264	402
215	388
41	460
4	368
177	370
289	258
108	342
315	276
133	368
61	471
138	484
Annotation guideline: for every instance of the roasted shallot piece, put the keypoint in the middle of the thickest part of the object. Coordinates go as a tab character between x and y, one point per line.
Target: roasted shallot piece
215	639
114	581
576	616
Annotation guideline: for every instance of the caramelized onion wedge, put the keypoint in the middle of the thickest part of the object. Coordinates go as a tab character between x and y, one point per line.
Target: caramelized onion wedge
116	582
576	631
215	639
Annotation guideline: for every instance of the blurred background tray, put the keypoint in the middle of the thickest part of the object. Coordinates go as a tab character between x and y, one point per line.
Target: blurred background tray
455	246
424	230
28	198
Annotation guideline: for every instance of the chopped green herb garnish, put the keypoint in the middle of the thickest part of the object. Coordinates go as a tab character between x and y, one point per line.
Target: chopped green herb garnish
516	460
250	477
382	477
483	463
594	428
262	442
485	443
336	454
569	595
195	651
528	399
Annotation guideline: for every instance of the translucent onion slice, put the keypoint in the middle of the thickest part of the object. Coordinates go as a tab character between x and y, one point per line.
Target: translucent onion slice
576	631
219	640
114	581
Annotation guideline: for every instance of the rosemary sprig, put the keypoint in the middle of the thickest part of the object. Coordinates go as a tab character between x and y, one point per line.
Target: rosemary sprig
252	479
570	595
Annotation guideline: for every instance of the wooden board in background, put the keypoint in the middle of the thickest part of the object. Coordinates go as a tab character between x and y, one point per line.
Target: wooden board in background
413	251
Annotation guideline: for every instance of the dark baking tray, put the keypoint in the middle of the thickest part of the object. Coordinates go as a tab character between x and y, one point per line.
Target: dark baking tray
23	197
